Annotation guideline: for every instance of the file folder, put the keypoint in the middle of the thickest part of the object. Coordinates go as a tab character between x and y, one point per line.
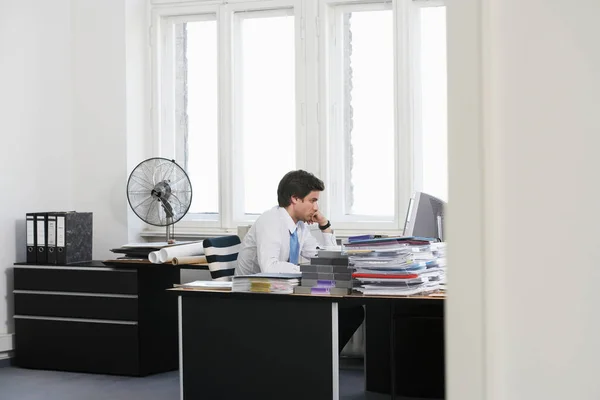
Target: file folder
41	235
73	237
51	245
31	250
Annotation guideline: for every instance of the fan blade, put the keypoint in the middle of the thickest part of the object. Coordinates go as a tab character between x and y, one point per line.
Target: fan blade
140	181
145	201
151	209
182	179
149	172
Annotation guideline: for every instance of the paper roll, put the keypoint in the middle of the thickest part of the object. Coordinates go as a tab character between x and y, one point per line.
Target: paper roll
189	260
153	257
184	250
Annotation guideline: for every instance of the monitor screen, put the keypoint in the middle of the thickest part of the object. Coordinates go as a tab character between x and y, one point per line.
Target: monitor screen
425	216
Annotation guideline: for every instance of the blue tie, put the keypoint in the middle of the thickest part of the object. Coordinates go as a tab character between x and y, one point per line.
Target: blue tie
294	247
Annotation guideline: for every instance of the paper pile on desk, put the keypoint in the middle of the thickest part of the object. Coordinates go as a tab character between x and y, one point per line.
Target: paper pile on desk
282	283
397	266
205	285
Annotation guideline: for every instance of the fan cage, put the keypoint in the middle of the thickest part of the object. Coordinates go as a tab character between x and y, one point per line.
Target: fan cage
170	184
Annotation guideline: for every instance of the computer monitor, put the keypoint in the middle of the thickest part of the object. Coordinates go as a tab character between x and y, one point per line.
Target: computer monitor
425	217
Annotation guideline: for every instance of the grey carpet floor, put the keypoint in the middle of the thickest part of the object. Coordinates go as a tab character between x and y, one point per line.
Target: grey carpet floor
27	384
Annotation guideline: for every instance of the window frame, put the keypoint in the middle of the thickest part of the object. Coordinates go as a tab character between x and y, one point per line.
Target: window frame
162	88
313	106
418	152
403	185
259	9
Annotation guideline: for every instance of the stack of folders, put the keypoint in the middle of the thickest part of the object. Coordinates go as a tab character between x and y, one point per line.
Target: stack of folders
59	238
282	283
327	274
397	266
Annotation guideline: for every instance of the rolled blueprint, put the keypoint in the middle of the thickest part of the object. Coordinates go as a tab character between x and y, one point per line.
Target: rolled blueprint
189	260
153	257
184	250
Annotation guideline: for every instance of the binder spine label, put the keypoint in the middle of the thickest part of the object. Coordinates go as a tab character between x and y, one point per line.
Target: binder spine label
30	233
51	232
41	237
60	231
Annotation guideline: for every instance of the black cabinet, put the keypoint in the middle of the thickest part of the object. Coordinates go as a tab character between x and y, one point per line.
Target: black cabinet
418	337
91	317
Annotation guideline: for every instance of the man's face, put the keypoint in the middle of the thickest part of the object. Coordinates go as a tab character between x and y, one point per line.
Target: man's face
305	208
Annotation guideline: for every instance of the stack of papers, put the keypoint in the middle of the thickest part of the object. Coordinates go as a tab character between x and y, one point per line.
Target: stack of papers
205	285
396	266
283	283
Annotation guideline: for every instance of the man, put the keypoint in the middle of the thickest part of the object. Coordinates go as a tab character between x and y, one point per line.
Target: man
279	236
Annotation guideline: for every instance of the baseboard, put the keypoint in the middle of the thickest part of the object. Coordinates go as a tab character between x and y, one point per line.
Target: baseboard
6	359
6	343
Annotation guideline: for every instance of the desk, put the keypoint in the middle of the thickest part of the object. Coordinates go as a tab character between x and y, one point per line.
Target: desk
268	346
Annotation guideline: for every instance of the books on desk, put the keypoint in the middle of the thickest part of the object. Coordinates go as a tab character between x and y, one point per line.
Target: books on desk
396	266
282	283
327	274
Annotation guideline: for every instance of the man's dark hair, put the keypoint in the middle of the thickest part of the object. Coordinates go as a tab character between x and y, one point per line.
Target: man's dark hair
298	184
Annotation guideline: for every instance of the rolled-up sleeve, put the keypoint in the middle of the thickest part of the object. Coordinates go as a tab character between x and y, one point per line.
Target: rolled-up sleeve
311	244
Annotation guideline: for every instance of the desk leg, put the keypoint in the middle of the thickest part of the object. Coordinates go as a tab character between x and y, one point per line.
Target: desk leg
179	301
392	352
335	353
268	347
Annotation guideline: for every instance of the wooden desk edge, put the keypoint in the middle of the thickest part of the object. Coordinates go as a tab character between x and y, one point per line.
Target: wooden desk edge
147	262
327	296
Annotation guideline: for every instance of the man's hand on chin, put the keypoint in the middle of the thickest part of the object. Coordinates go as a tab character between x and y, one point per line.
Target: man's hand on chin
318	218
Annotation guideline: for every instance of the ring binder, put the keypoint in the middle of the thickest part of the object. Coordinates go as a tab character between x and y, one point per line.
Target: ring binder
51	245
41	234
31	250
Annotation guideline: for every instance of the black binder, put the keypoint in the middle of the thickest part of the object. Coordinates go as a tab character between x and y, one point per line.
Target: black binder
73	237
41	223
51	242
31	256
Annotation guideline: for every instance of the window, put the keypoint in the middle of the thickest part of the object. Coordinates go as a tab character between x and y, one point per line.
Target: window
265	100
362	129
430	102
189	120
353	91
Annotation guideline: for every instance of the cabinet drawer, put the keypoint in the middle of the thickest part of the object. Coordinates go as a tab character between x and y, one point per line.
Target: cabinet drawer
76	306
83	280
77	346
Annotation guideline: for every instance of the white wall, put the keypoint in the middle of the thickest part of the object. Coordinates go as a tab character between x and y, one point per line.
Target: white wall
539	137
73	115
138	96
111	113
35	127
99	119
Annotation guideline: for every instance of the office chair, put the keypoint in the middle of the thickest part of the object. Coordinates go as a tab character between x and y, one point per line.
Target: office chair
221	256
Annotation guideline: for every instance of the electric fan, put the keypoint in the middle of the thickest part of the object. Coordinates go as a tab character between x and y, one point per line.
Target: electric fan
159	192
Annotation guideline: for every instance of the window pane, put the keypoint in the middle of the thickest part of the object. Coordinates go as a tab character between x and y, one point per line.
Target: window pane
266	98
434	97
196	110
369	112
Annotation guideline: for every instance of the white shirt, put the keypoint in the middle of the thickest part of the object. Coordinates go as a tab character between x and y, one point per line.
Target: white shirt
266	246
